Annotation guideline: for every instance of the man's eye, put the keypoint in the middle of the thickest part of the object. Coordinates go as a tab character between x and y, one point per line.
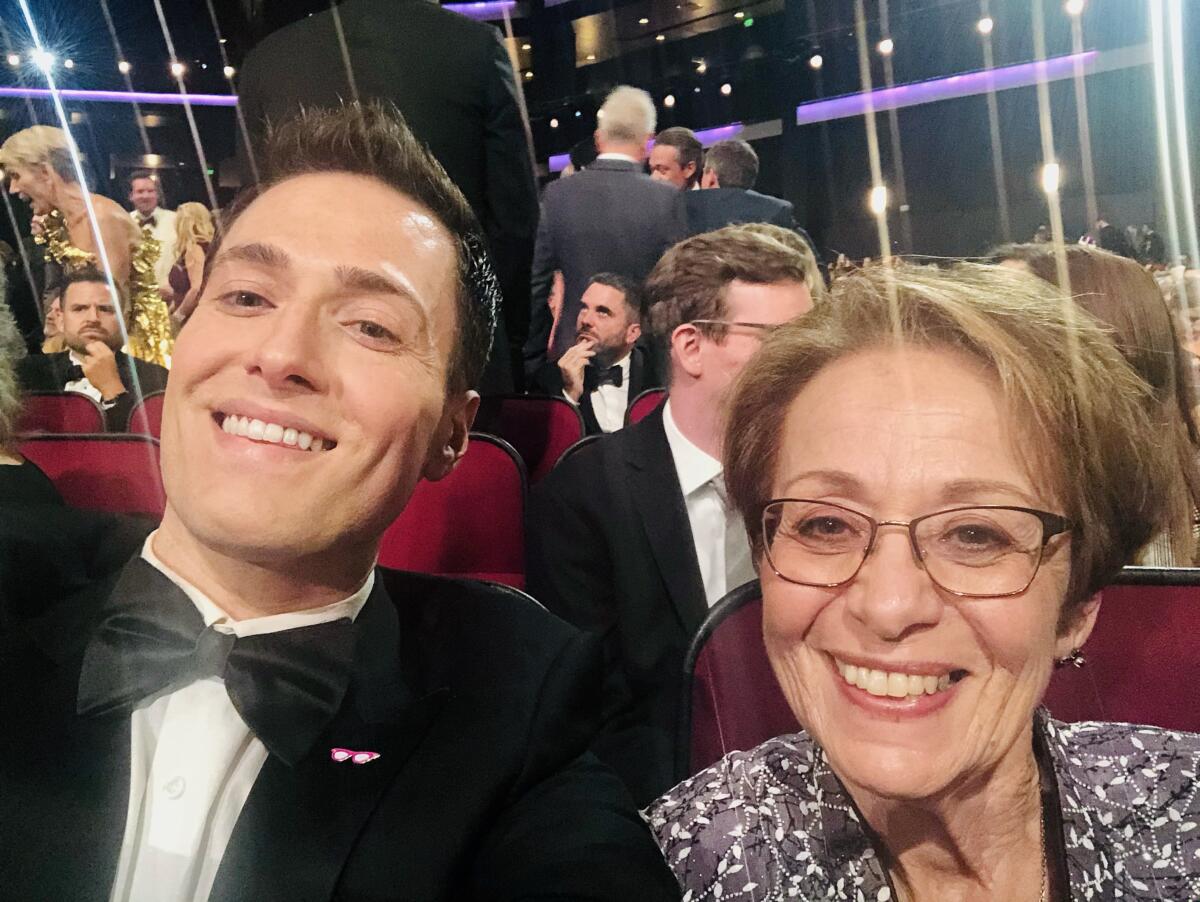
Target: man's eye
374	331
243	299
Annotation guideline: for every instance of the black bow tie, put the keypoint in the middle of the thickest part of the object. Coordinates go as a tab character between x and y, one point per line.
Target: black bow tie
596	376
287	686
148	221
74	373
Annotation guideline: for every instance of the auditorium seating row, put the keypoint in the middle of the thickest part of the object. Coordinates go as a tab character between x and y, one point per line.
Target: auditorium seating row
540	428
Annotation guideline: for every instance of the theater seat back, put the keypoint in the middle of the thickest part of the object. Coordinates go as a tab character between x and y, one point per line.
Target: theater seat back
115	473
644	405
540	428
59	413
146	416
1143	666
470	524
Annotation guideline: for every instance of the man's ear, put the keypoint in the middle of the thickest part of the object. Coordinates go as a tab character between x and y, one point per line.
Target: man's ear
685	347
709	179
452	436
1074	633
689	170
633	333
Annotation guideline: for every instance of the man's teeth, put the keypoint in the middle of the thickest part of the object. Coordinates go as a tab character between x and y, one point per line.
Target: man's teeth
273	433
896	685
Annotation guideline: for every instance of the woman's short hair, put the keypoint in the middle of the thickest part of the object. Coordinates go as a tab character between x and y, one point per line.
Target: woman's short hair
38	145
1080	411
193	225
1126	299
627	116
12	350
689	282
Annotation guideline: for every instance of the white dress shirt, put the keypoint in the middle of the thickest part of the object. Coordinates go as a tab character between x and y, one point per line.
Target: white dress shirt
193	763
85	387
717	531
609	402
618	156
163	231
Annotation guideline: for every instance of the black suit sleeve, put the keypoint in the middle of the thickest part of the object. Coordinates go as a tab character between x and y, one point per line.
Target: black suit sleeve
511	205
541	280
570	831
785	216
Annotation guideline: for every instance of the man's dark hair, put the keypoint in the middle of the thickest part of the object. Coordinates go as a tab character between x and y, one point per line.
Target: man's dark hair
627	286
75	277
734	162
583	153
372	139
688	146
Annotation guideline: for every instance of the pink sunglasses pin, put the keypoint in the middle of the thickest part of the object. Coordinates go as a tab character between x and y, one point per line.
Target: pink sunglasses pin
340	755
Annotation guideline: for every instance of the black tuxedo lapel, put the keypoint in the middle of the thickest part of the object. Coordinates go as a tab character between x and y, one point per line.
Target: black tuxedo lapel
299	824
659	501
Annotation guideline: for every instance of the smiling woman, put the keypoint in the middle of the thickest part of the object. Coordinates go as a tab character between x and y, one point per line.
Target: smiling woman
938	470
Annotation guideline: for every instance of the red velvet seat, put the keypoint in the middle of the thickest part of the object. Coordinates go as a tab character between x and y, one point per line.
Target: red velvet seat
578	446
540	427
146	416
1143	666
470	524
115	473
57	413
644	405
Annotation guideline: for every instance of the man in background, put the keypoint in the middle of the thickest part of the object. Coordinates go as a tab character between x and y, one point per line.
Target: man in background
452	79
611	217
606	368
677	157
728	196
632	538
93	363
145	198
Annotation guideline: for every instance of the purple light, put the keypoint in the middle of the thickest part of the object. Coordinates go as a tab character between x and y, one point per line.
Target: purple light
492	9
965	85
122	96
705	136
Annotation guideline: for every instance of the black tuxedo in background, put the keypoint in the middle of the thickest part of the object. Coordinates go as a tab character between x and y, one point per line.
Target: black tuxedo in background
611	217
480	704
714	208
642	375
452	79
51	372
610	549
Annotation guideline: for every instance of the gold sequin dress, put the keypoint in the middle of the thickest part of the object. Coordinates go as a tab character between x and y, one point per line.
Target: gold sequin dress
147	320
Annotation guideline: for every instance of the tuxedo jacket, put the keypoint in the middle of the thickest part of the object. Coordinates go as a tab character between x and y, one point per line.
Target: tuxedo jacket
611	217
478	702
715	208
50	372
643	374
452	79
610	549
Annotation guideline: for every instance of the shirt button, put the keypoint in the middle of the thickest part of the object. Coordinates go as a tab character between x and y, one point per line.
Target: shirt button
174	788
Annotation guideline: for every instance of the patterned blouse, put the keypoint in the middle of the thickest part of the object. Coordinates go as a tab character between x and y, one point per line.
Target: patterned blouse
775	823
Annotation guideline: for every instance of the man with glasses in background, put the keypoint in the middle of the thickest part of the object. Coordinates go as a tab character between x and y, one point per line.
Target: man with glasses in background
632	538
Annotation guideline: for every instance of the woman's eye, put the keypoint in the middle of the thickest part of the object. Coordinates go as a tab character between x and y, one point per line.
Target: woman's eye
823	526
978	536
375	332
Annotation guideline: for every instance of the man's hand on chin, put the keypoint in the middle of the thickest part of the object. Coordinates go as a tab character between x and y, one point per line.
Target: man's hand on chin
100	366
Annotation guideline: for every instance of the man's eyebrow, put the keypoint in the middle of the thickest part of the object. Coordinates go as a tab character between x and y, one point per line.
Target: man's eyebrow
367	281
256	252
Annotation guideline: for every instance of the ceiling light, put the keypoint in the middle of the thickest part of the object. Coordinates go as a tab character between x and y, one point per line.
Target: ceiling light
701	67
123	67
554	123
643	21
578	113
14	59
1051	176
528	74
178	69
229	71
877	200
1074	7
43	59
669	101
696	90
985	25
68	64
591	57
727	89
816	61
526	46
223	40
886	46
739	15
660	37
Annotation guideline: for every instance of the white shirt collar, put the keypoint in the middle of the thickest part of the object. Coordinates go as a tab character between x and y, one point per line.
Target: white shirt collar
618	156
694	466
256	626
74	358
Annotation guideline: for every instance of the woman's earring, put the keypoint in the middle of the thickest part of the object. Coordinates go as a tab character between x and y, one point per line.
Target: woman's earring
1076	659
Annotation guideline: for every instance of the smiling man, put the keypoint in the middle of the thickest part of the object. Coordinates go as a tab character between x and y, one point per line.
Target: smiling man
252	710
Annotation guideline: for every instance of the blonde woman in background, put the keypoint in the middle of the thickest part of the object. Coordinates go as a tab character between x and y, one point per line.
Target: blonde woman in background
38	166
194	231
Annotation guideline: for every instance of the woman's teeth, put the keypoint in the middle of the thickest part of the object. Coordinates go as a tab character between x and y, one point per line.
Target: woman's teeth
273	433
890	683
